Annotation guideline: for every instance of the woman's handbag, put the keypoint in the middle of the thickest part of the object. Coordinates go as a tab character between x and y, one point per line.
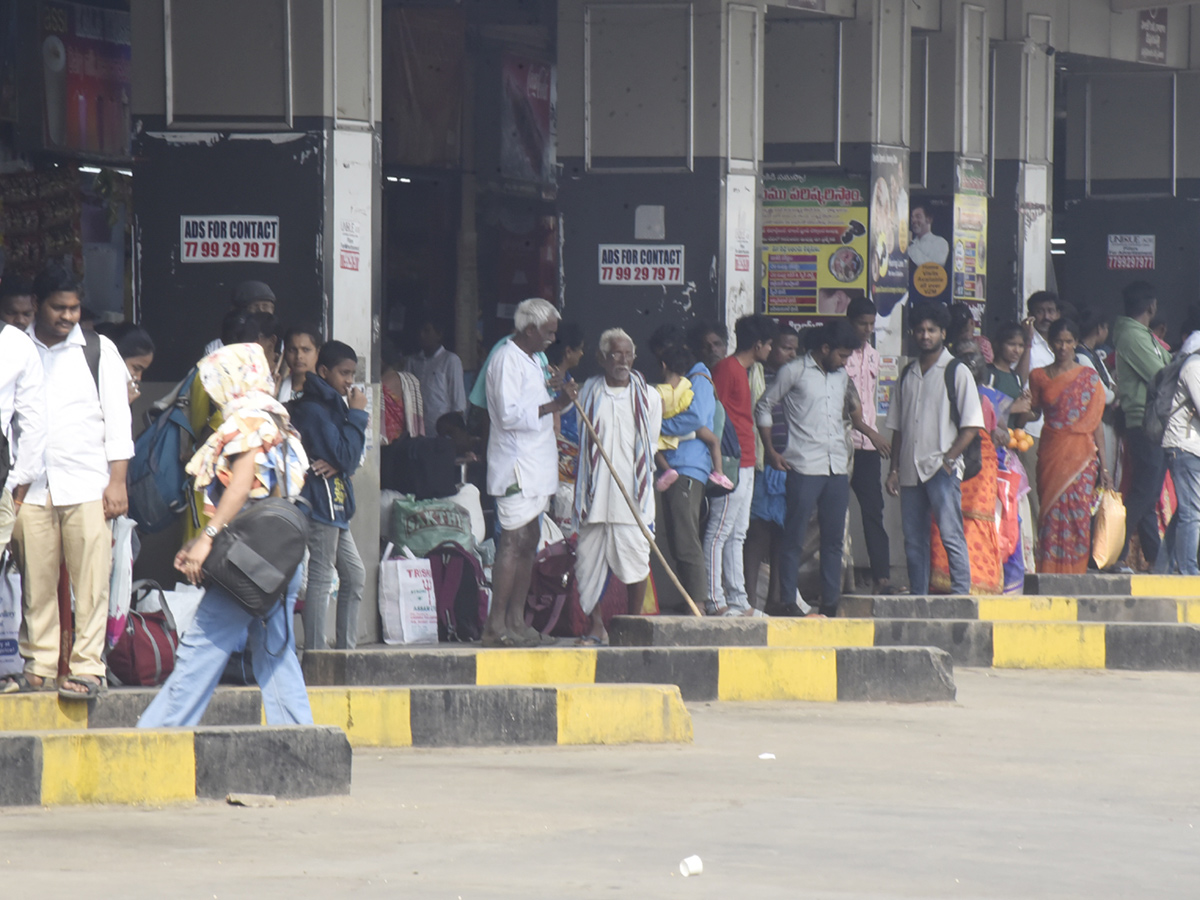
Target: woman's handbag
257	553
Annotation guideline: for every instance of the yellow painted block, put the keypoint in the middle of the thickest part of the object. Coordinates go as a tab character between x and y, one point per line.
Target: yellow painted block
820	632
777	673
1189	610
623	714
1047	645
574	666
1028	609
1187	586
371	717
40	712
144	767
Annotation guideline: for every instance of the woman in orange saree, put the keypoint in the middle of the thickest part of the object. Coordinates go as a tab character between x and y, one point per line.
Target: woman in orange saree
1070	455
979	496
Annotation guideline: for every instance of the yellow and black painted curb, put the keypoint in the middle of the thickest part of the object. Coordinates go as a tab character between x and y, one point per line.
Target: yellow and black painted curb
999	644
1095	584
152	767
897	674
1026	608
436	716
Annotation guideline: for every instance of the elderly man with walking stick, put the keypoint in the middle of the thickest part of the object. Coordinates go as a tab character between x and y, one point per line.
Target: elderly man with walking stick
625	416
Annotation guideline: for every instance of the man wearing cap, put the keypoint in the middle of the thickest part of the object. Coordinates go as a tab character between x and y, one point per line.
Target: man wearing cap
250	297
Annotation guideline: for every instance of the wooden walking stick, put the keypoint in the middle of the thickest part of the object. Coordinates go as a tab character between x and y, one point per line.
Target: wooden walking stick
633	508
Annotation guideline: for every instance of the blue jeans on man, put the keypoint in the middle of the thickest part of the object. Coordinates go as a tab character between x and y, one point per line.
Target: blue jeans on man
941	497
829	495
1185	472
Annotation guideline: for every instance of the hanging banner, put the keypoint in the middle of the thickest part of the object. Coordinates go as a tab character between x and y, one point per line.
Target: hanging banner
888	263
210	239
527	120
814	239
1152	36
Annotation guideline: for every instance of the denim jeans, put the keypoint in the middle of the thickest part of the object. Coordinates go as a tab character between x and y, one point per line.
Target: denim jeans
940	496
330	548
829	496
221	626
724	541
1185	472
1147	464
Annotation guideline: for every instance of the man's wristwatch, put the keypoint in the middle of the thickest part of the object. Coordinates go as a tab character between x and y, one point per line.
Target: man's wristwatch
211	531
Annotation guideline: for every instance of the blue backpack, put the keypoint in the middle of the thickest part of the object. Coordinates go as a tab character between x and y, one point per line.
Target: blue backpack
159	488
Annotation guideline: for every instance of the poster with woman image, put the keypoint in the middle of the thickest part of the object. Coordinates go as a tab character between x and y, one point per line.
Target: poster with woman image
887	264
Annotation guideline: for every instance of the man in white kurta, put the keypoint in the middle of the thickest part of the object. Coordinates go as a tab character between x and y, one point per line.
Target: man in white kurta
627	417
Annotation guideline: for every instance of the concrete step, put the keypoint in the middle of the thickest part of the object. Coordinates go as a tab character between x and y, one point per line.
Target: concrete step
897	674
459	716
1015	645
1022	608
157	766
1095	584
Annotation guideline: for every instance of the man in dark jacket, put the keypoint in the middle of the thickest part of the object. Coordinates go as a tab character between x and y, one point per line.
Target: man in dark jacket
332	420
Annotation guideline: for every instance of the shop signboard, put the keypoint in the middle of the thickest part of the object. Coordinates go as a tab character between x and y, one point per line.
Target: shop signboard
636	265
84	66
226	239
1152	36
1131	251
814	244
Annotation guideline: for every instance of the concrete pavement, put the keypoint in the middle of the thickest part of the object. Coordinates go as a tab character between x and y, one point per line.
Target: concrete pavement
1033	784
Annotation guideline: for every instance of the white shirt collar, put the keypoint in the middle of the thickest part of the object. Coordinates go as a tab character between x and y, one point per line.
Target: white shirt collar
75	337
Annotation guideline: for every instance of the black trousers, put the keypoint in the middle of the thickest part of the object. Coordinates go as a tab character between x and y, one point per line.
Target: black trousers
1148	464
868	488
677	533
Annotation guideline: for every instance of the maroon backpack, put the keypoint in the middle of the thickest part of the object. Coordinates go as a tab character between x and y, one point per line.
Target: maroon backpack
144	654
459	592
552	606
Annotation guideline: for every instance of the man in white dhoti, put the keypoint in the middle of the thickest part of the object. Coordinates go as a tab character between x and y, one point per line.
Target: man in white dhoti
627	417
522	460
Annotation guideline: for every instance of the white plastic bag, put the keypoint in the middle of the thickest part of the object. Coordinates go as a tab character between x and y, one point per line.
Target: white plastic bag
120	585
10	617
406	600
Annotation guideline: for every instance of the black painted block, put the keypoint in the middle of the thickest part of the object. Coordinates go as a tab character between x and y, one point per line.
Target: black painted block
286	761
483	716
695	670
20	770
895	674
969	643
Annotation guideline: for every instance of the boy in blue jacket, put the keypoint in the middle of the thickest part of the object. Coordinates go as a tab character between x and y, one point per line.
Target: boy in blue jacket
332	420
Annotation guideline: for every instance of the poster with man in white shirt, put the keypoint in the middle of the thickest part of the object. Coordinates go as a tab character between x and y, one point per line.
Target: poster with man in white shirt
67	508
932	221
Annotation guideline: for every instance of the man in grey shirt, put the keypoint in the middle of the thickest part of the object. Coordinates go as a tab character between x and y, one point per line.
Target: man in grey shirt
819	404
928	442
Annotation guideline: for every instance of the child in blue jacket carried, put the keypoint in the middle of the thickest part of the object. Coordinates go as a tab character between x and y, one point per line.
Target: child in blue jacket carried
332	420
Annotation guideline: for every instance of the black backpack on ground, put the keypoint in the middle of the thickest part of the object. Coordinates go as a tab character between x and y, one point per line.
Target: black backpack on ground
973	455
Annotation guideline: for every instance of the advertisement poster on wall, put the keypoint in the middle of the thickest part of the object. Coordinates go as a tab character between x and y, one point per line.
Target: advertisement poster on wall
85	57
739	245
814	244
888	260
931	235
970	251
527	120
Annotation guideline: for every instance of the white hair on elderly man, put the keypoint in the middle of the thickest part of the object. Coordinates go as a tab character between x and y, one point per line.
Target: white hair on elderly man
613	334
536	312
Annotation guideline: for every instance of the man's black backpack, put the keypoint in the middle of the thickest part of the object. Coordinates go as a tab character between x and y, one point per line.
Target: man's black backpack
973	455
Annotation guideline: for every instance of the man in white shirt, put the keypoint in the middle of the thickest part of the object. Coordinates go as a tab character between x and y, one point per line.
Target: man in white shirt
65	513
925	246
22	423
522	459
1181	441
627	416
441	375
1043	311
928	442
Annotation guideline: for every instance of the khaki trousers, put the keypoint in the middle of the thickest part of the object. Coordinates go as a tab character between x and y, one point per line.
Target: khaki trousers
44	536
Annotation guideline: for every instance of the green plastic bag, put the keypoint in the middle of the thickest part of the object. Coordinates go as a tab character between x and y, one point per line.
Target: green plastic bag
422	525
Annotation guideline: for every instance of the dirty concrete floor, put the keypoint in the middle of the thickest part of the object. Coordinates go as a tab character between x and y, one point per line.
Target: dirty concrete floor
1034	784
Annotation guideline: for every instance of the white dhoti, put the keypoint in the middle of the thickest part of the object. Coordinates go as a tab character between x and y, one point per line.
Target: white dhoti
605	547
518	510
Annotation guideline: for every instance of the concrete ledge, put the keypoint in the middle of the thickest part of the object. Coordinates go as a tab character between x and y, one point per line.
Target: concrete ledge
701	673
158	766
433	716
1022	608
380	666
1095	584
894	675
973	642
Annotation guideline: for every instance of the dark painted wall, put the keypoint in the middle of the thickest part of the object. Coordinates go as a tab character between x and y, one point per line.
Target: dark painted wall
1086	278
599	209
181	304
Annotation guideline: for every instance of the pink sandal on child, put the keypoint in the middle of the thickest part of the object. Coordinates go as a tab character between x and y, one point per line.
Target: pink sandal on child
665	480
719	479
